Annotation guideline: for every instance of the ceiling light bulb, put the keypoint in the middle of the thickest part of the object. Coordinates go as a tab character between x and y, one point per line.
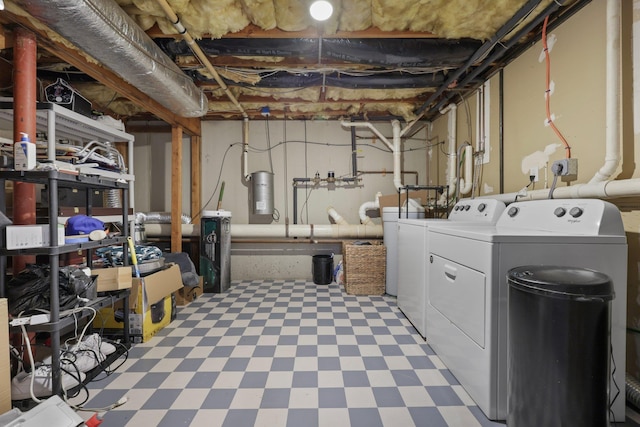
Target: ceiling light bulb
321	10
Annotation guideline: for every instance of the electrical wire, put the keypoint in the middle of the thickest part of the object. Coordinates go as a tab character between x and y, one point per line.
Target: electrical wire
217	182
547	59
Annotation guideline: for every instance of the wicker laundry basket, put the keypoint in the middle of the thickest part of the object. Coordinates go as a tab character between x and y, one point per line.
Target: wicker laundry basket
364	267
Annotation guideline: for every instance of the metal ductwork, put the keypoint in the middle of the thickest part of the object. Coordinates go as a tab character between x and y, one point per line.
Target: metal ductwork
103	30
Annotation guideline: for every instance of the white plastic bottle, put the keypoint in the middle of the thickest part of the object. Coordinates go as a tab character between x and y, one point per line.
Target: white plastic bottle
24	153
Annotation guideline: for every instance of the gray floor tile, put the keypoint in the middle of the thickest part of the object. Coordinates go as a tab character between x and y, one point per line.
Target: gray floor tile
302	417
275	398
240	418
238	364
355	379
203	380
218	399
178	417
406	377
365	417
427	417
152	380
254	380
443	396
305	379
388	397
162	399
332	398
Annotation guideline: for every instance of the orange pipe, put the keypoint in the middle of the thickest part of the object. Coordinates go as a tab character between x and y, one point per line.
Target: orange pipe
24	120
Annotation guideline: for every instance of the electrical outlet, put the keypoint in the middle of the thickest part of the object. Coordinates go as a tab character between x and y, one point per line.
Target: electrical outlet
567	169
533	172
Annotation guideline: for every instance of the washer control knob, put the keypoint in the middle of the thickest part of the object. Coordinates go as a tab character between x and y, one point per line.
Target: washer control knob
559	212
467	207
576	212
482	207
513	211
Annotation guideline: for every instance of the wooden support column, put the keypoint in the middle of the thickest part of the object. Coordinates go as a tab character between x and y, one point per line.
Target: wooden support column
196	178
176	189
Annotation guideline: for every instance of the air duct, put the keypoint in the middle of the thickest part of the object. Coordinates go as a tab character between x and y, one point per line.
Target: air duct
103	30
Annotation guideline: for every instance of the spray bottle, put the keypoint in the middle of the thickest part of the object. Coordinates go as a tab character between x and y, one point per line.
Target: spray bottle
24	153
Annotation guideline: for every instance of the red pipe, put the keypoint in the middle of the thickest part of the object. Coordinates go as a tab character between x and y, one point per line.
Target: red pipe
24	120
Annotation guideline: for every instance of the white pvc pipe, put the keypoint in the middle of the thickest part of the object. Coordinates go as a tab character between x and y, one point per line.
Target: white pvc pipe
612	97
339	219
452	131
598	190
245	149
397	155
467	181
362	212
306	231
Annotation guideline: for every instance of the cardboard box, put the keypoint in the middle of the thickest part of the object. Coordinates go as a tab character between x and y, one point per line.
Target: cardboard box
5	368
142	327
149	305
113	279
189	293
391	200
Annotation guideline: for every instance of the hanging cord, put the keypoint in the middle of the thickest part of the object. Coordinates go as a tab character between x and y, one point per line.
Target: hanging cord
547	59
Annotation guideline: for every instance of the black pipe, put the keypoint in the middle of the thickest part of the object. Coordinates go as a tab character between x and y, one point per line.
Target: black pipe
354	156
486	47
501	49
501	127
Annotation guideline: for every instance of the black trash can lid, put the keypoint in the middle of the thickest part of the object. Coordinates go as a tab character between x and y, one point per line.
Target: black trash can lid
562	282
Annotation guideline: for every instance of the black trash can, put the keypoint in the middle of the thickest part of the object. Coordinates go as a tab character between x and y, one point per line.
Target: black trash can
558	347
322	269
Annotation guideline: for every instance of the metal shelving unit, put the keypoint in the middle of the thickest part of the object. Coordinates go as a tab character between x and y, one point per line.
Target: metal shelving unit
60	123
53	180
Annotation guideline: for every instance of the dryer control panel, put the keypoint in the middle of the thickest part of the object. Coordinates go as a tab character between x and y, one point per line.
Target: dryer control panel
592	217
480	210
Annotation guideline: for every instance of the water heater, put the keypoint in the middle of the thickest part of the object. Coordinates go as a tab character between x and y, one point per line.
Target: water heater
262	187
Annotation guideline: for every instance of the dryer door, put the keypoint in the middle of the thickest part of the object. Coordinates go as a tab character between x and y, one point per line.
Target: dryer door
459	293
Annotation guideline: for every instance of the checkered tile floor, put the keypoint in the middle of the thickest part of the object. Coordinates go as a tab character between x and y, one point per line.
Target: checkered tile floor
286	354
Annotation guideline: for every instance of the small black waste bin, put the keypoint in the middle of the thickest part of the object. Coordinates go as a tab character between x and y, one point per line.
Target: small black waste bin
322	269
558	347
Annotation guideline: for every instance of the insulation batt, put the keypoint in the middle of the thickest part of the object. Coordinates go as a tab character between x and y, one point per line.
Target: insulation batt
477	19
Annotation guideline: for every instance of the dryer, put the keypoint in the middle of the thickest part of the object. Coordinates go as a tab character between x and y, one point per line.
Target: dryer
412	253
467	303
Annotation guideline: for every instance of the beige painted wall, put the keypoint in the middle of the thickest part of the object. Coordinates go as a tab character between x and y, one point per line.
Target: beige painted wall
577	50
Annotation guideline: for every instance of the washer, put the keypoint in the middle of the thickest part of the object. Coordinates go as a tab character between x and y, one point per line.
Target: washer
412	253
467	300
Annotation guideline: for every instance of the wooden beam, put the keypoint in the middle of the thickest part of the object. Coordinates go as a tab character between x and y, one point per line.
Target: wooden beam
196	178
104	76
176	189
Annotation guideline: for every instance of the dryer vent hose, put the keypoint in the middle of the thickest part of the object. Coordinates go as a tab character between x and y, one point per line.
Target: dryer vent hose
632	390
